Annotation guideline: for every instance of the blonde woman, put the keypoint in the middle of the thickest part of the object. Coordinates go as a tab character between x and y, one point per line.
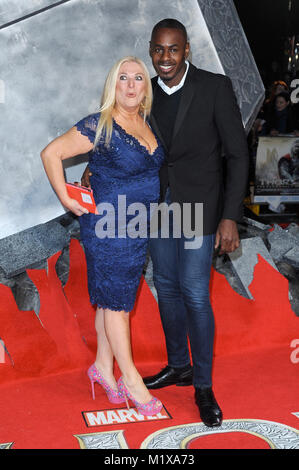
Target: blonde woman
125	158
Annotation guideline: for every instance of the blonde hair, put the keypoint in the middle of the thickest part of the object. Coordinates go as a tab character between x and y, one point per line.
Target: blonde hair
105	124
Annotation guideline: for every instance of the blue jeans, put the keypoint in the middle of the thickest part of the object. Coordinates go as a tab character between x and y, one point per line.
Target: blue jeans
181	277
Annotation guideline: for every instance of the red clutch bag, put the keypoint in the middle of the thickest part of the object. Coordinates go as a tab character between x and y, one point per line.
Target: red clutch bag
83	195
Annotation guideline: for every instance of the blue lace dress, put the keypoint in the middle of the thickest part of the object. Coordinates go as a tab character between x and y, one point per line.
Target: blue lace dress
124	175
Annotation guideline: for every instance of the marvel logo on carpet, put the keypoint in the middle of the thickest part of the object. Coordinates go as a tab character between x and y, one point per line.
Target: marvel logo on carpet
121	416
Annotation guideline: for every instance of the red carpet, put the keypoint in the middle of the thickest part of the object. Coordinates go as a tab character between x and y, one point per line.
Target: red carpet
45	394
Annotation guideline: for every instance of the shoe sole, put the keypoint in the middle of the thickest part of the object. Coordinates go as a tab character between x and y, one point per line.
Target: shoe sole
182	384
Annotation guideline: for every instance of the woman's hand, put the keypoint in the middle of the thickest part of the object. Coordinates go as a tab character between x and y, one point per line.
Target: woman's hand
74	206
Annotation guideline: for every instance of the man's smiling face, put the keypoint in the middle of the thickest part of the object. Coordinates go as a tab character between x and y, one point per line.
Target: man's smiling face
169	50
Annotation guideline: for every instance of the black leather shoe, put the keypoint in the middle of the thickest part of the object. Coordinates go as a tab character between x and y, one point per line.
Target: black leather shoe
209	409
169	376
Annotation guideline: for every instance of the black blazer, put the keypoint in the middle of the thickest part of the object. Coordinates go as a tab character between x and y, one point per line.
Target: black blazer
208	124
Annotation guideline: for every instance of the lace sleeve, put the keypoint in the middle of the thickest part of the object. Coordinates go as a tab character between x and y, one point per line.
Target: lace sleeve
88	126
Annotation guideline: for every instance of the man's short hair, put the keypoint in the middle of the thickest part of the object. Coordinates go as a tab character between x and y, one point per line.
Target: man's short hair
170	23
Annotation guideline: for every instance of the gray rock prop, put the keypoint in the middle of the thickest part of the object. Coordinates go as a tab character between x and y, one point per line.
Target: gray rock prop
25	250
279	247
245	258
284	248
283	241
292	257
31	249
292	274
238	268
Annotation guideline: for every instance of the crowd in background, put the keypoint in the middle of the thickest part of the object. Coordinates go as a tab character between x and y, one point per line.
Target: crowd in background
278	116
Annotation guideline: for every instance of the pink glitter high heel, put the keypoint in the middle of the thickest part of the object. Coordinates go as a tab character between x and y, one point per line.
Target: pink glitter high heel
114	396
151	408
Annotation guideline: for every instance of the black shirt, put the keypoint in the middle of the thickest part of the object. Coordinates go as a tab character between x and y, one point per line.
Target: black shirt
164	109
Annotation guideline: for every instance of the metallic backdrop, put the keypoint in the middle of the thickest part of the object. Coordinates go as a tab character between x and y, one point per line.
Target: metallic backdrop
54	57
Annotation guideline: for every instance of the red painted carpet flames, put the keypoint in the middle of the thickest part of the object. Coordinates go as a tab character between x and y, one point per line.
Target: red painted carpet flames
44	393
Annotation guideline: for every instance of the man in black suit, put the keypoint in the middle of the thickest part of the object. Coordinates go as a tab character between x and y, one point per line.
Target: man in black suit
196	116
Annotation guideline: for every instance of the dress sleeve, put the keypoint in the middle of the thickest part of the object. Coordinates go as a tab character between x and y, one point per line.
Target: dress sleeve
88	126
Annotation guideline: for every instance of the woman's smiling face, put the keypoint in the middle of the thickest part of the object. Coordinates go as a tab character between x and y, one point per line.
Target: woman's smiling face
130	86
